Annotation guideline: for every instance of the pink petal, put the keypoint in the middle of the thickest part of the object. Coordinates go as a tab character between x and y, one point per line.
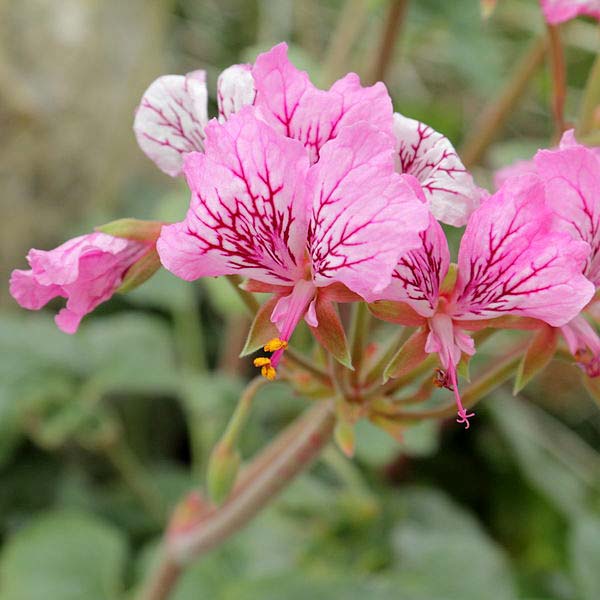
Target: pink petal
364	215
420	272
235	88
558	11
86	270
287	100
572	180
511	261
248	212
170	120
520	167
430	157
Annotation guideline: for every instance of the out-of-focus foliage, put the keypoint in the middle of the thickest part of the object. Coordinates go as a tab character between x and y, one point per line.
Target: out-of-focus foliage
101	433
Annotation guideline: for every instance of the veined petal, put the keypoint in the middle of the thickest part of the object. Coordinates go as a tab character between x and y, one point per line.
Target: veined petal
571	176
248	212
170	120
520	167
418	276
511	261
430	157
235	88
287	100
364	215
558	11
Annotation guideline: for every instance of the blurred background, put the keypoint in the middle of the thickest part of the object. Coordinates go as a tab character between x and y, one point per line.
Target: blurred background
102	432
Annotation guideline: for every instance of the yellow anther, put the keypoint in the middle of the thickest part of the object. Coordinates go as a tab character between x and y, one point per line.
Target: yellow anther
268	372
275	344
262	361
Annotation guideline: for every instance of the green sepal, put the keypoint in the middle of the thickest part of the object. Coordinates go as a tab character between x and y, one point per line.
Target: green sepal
410	355
538	355
132	229
262	329
140	272
330	331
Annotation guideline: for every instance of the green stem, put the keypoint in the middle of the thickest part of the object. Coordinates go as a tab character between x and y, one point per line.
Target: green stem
359	333
275	467
483	385
249	300
136	477
495	114
588	114
190	338
375	375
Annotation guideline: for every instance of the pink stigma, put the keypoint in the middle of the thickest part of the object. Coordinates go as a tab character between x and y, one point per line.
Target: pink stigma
464	416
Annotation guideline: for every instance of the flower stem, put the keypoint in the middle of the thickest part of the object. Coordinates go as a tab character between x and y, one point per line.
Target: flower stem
493	117
247	298
559	79
589	116
392	28
359	332
276	466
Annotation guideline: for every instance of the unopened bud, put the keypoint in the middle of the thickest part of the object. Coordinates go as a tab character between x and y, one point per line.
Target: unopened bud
223	467
345	437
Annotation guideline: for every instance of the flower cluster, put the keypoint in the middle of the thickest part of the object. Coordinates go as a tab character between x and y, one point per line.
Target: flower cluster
325	196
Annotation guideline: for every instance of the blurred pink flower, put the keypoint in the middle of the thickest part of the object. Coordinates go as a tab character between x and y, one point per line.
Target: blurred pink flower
511	261
558	11
86	270
259	209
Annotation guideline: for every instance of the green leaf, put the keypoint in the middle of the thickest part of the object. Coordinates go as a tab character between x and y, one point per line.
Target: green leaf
539	353
442	552
410	355
133	229
63	556
330	331
557	462
584	545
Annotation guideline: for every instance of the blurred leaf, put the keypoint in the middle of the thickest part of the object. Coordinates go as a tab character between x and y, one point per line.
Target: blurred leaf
223	297
131	351
442	552
165	291
553	458
63	556
375	448
584	546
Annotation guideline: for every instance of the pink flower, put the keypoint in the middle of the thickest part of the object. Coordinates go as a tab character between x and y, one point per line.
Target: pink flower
558	11
170	120
86	270
430	157
293	106
260	210
511	262
571	176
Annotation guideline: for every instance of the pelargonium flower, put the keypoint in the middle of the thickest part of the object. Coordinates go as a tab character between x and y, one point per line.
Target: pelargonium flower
571	176
287	100
511	262
172	115
86	270
559	11
260	210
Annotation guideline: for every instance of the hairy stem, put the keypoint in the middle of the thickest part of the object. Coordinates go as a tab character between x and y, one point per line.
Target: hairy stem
494	116
276	466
